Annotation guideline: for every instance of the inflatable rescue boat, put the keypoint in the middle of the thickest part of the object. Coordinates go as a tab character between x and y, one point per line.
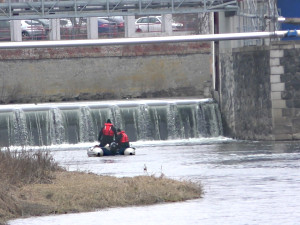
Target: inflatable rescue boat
109	150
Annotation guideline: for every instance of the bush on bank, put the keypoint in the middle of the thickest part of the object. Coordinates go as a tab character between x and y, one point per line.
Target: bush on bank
32	184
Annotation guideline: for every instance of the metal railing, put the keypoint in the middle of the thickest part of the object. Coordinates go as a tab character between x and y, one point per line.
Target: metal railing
94	8
76	28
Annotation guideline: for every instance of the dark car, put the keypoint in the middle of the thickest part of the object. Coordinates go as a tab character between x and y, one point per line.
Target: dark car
118	20
107	28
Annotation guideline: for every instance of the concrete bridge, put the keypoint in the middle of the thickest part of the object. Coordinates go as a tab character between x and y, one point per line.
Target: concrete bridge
54	10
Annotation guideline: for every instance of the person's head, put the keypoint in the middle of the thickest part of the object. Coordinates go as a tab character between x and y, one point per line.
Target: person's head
118	130
108	121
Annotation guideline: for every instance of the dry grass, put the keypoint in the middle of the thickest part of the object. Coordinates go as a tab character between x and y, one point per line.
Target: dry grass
26	167
48	189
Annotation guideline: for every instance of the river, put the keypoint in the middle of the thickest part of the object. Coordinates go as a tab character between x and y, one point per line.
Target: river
244	182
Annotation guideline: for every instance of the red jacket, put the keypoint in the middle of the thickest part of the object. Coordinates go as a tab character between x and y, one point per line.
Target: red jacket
107	130
124	137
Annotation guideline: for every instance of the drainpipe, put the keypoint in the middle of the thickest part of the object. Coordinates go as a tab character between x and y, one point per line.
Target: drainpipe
151	40
295	21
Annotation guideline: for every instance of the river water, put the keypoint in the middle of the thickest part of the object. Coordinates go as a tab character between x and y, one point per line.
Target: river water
244	182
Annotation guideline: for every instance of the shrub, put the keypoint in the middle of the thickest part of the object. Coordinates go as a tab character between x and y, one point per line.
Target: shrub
26	166
18	168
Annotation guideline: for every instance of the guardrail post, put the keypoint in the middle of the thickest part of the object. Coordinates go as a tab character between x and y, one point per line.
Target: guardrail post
15	30
129	26
167	24
54	33
92	28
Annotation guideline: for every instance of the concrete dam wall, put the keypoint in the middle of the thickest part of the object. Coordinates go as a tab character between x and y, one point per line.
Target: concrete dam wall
259	87
34	75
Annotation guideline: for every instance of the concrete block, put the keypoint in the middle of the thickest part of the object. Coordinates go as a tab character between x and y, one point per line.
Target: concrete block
278	87
287	47
276	95
296	125
283	137
277	70
274	62
275	79
276	114
283	121
282	129
278	104
296	136
291	112
276	53
282	45
295	103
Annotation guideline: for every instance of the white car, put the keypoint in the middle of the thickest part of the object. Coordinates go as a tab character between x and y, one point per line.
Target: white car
32	28
153	24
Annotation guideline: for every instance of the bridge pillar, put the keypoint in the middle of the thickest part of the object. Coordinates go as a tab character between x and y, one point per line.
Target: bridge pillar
54	33
15	30
92	28
167	24
129	26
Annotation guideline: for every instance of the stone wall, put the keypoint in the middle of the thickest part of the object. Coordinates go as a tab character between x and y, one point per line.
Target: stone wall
285	81
260	92
245	93
105	72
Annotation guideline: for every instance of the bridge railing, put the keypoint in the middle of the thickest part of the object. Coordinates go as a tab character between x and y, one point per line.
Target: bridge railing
11	10
76	28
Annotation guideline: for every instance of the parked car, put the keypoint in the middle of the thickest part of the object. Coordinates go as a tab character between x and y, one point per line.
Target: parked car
66	28
81	26
153	24
4	30
66	23
46	25
32	29
106	27
118	20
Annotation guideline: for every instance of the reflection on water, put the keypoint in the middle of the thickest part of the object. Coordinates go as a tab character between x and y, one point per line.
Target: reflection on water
244	183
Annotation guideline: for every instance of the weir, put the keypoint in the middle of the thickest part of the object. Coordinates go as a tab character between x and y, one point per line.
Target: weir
72	123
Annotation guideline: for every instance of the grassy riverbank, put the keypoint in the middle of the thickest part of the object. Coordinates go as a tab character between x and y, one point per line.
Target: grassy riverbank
32	184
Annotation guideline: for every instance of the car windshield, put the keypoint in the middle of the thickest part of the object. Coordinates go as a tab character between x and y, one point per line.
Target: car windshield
102	20
142	20
44	21
153	20
65	22
117	19
32	22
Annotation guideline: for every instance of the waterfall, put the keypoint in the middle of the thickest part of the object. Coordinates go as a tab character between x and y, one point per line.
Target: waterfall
56	126
80	122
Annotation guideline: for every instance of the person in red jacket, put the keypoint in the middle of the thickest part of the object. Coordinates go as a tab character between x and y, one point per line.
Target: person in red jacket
122	141
107	134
